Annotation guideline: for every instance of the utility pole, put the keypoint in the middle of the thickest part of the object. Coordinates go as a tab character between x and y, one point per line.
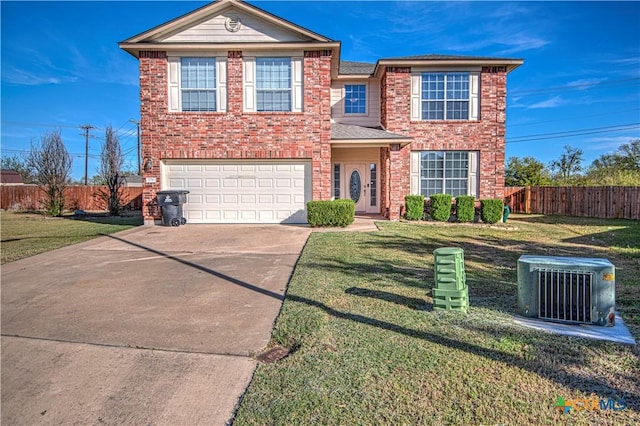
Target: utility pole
137	123
86	128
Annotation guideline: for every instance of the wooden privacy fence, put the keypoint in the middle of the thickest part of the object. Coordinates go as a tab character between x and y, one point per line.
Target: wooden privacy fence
89	198
606	202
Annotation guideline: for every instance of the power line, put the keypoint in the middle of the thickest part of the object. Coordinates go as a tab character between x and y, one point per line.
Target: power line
574	86
570	133
30	124
579	117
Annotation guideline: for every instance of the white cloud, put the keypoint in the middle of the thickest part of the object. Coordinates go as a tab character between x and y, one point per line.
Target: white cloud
586	83
27	78
553	102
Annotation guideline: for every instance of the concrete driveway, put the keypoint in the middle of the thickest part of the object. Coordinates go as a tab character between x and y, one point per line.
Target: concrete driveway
155	325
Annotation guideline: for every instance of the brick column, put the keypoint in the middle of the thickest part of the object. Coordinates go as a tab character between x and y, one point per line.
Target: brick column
153	108
399	181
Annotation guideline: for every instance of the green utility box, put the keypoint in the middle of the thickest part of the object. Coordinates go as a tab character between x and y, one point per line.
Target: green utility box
450	291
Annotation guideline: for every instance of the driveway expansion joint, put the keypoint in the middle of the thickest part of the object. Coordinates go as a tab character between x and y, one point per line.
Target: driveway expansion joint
142	348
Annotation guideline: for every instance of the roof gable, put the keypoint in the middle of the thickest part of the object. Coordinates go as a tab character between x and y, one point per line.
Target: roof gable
216	23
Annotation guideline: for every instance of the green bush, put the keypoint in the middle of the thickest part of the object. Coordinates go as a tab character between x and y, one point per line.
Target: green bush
331	213
440	207
465	208
415	206
491	210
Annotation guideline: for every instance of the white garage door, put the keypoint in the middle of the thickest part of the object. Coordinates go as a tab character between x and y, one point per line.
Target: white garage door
241	191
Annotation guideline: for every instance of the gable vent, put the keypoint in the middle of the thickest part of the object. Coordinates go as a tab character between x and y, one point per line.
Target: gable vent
233	23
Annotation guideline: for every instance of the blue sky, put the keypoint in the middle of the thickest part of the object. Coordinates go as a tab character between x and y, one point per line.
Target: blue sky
62	68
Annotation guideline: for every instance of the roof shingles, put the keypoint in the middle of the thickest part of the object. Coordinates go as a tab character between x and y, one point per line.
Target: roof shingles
341	131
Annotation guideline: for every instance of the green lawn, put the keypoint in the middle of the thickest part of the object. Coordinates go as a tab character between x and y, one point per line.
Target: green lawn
27	234
367	348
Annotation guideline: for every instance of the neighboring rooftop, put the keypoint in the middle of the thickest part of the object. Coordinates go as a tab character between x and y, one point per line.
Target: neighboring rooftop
437	57
356	68
10	177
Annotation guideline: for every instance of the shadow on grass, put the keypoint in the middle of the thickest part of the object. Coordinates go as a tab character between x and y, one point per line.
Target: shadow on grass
409	302
574	381
106	219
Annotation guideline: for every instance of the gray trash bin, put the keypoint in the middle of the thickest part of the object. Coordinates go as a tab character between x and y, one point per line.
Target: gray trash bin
170	203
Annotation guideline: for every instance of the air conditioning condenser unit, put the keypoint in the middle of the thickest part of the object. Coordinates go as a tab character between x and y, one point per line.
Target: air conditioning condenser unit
567	289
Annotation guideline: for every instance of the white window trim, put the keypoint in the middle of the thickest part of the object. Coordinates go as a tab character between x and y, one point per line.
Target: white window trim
344	100
174	101
416	93
472	179
250	90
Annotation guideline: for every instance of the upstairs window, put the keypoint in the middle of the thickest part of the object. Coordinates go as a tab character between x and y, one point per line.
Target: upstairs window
198	84
355	99
273	84
444	96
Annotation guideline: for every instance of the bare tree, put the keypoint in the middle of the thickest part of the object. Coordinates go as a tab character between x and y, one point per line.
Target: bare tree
51	164
111	162
568	166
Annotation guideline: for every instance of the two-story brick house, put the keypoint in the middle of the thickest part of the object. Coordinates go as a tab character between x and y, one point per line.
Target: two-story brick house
255	116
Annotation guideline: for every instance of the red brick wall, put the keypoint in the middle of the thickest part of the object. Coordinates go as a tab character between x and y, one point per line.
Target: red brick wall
235	134
485	135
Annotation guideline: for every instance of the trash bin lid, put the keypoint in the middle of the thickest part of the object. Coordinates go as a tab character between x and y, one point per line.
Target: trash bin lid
447	250
172	191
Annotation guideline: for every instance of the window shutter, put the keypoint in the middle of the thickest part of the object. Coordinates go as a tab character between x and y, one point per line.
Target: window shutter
174	84
472	182
297	95
249	84
415	173
221	89
416	101
474	107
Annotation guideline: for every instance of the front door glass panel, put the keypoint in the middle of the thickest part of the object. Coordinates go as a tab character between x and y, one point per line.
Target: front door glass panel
355	186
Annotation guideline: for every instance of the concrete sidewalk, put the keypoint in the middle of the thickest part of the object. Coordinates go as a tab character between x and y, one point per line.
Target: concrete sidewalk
155	325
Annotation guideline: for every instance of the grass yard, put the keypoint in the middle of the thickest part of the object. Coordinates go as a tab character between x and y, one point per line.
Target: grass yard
367	348
27	234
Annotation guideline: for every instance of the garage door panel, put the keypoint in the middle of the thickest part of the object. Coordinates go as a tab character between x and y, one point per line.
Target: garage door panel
247	183
213	215
177	183
212	183
230	199
193	215
194	183
212	198
241	191
265	199
230	183
194	198
248	215
283	199
248	199
230	215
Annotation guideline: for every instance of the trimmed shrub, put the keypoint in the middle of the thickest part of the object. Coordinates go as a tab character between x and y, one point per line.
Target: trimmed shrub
491	210
415	207
465	208
331	213
440	207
